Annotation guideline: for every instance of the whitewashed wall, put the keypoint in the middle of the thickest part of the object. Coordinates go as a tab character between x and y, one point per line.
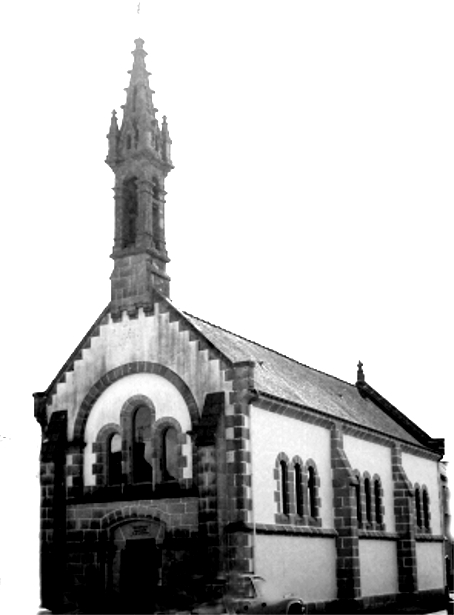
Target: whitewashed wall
304	566
273	433
378	566
425	472
430	564
374	458
167	400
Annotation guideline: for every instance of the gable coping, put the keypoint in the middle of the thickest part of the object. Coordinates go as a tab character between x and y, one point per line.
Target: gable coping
68	366
432	447
186	325
436	445
165	306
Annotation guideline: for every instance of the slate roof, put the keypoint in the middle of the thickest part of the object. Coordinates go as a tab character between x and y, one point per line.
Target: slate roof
282	377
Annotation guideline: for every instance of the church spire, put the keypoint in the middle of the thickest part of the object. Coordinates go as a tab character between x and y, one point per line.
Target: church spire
139	155
140	130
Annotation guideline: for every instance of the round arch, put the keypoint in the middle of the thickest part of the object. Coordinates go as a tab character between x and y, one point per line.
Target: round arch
136	367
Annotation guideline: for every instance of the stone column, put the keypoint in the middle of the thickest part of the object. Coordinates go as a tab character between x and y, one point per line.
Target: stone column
405	526
208	518
238	470
345	522
206	467
53	510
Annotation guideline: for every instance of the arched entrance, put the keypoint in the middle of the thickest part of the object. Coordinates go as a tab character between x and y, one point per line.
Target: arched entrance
134	565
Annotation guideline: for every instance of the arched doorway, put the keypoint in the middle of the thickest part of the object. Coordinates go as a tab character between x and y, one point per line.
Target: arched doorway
134	565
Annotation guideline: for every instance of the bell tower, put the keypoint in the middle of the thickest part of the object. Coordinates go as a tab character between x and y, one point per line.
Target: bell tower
139	155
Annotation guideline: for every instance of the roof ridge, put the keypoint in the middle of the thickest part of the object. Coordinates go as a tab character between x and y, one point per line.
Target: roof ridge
319	371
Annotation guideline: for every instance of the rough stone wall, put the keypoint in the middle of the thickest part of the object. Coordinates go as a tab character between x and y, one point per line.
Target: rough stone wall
89	546
405	526
238	470
345	522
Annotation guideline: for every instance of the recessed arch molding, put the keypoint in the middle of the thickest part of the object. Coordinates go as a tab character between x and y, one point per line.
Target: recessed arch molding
136	367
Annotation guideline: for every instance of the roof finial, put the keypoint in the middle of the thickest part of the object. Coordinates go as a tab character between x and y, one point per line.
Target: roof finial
360	373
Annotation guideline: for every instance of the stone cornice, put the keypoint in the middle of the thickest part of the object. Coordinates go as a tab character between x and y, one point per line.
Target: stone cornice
304	413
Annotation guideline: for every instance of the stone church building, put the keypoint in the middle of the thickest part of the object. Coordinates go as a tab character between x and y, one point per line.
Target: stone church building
176	454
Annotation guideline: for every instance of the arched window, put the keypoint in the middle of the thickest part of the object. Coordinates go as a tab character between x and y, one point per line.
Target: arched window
157	234
425	508
418	507
359	511
169	454
299	490
114	460
368	500
141	446
312	491
130	212
128	141
378	504
284	488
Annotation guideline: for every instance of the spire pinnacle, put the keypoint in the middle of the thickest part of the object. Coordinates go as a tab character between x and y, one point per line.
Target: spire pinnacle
360	373
140	130
139	155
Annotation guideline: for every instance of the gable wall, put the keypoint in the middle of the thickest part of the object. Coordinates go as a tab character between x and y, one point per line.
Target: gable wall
145	338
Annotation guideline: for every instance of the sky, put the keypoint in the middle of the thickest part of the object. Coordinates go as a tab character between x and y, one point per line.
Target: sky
309	208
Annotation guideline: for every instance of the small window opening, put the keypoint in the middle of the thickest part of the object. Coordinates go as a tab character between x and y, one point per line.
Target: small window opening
284	491
157	231
114	463
368	500
128	142
142	468
359	512
418	507
377	494
130	212
311	488
299	490
425	508
170	454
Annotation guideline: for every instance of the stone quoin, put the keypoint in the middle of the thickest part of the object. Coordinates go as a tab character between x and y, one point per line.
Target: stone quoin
176	454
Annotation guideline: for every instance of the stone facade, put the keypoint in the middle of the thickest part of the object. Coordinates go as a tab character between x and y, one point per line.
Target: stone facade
177	455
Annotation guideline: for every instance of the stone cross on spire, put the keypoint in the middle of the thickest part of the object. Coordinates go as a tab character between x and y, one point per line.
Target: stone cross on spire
360	373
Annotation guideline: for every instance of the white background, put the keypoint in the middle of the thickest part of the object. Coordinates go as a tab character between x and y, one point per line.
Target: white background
309	209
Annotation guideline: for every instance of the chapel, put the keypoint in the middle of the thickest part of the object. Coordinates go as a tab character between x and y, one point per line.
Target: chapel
176	455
